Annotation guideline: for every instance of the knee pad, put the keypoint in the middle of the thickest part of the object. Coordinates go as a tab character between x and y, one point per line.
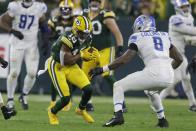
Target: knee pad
14	74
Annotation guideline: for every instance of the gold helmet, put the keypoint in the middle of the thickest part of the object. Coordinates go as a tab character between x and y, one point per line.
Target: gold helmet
66	7
82	28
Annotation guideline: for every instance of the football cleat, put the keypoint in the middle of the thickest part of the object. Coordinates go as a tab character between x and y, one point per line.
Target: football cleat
7	113
117	119
89	107
192	108
52	103
85	115
162	123
23	101
53	119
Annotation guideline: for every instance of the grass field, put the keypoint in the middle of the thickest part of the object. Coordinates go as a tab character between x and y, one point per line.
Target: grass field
139	116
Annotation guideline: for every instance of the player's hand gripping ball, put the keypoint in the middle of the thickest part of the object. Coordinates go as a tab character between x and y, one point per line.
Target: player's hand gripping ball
89	54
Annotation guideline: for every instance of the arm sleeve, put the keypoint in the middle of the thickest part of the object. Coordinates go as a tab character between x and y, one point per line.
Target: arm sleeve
178	25
43	9
11	9
108	14
132	43
66	42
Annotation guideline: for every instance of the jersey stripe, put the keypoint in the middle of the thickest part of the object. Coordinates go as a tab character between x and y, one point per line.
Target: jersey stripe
86	22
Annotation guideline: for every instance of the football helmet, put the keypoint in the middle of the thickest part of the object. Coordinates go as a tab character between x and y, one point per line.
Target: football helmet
65	8
82	28
182	7
27	3
144	23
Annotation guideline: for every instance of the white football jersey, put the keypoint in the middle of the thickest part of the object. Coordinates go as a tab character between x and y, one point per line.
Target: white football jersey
26	20
153	47
179	27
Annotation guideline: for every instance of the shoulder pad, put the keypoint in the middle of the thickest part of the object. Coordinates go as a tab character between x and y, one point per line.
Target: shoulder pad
133	39
108	14
175	20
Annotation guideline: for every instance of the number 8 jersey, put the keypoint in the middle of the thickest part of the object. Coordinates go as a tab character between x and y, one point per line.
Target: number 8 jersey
153	47
26	20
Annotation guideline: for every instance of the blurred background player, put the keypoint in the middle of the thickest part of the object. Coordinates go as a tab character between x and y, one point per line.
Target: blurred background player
180	26
58	25
22	20
192	66
155	49
104	26
63	68
7	113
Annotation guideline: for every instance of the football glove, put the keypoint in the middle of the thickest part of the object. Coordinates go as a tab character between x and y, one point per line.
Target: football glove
4	63
119	51
192	66
90	53
16	33
96	71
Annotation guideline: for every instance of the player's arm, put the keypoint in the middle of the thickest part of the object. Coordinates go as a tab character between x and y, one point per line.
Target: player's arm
176	56
123	59
111	24
66	57
6	24
190	40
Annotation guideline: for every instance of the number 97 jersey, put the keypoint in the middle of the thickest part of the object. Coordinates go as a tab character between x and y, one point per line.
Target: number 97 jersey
153	47
26	20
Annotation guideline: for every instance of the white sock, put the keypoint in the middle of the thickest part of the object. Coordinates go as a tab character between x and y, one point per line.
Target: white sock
28	84
189	92
11	86
118	97
1	99
157	104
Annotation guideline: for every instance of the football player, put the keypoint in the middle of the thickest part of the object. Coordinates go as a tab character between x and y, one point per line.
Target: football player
104	25
7	113
62	67
23	19
155	49
58	25
180	26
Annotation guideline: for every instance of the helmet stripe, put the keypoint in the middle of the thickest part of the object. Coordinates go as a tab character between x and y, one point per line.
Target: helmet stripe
66	2
86	23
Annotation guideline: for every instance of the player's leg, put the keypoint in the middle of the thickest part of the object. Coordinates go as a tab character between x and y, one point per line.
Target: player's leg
58	77
53	95
107	56
16	58
186	84
157	107
32	62
80	80
86	66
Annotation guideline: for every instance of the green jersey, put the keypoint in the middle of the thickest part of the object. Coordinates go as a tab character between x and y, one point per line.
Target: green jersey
71	41
59	26
102	37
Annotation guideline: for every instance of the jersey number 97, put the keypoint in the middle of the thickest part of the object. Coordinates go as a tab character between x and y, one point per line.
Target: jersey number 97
26	21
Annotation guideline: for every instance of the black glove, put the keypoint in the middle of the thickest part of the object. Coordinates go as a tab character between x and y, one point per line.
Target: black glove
119	51
192	66
4	63
16	33
96	71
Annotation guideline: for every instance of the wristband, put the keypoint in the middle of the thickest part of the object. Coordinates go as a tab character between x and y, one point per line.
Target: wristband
106	68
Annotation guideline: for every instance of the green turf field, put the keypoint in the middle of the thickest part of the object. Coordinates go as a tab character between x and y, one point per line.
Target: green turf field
139	116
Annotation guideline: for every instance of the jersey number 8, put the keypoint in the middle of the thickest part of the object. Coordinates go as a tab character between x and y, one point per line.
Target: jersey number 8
158	44
24	19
